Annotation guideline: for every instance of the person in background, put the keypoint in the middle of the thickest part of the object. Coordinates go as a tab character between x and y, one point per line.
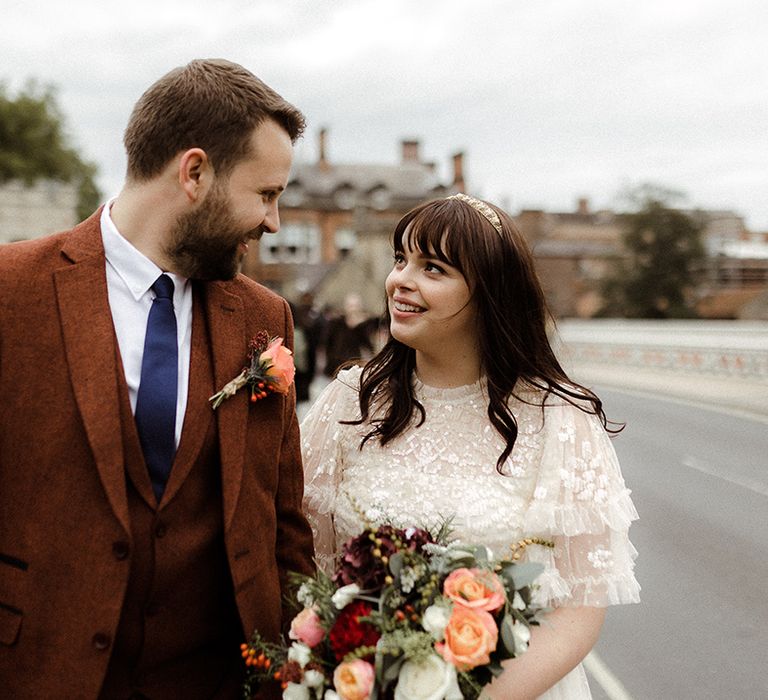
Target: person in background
142	533
311	324
348	336
467	415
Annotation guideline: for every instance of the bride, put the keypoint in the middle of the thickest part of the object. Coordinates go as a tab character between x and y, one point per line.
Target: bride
466	413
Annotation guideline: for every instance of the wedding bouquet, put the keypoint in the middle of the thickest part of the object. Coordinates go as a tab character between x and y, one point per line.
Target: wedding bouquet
406	615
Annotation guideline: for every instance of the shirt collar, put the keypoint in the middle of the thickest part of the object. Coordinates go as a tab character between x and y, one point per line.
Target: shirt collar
134	268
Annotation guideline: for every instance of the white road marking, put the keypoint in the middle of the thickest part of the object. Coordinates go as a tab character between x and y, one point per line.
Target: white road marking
749	484
612	686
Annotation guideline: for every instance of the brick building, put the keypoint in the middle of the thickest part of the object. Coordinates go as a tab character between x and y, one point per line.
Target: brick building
336	220
575	250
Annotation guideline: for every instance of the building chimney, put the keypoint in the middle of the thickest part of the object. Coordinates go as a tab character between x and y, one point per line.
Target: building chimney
582	206
410	151
322	161
458	171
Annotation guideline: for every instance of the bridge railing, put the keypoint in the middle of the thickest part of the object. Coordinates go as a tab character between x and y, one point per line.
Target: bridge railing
724	348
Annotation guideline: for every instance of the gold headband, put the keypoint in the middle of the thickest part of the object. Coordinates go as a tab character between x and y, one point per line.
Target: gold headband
480	207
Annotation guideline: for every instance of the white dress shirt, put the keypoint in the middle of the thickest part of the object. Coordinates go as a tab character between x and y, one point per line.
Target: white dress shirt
130	276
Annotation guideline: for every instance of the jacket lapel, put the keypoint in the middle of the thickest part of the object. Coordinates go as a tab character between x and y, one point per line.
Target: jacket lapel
197	415
91	351
226	324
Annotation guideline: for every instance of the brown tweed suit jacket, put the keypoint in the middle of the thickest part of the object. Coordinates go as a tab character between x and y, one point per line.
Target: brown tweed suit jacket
63	508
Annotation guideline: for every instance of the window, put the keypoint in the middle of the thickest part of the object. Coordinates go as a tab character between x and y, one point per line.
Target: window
295	242
345	240
344	197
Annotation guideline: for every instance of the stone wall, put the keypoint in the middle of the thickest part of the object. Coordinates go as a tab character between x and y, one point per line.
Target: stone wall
30	212
712	348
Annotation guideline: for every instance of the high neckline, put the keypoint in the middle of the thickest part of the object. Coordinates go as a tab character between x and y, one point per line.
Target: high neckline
455	393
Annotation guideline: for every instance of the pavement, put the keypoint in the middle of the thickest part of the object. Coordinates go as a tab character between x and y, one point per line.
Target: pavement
747	397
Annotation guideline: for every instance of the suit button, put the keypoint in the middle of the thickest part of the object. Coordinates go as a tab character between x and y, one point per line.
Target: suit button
101	641
160	530
121	550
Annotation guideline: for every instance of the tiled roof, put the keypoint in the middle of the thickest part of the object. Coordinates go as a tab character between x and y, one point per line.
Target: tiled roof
412	180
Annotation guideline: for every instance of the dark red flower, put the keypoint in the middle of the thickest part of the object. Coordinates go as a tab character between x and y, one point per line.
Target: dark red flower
415	538
361	557
349	633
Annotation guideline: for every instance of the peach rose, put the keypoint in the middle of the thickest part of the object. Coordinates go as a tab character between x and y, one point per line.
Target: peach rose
305	627
475	588
353	680
281	368
470	637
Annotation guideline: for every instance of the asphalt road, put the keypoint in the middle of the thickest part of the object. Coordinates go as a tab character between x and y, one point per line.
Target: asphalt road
700	483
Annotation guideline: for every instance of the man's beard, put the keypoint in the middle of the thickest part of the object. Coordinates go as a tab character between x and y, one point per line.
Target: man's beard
204	244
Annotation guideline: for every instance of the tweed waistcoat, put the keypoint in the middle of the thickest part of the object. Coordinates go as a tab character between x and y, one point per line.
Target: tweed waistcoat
179	628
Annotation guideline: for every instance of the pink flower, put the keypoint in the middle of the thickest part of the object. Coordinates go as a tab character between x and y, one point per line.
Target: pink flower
305	627
353	680
280	366
475	588
470	637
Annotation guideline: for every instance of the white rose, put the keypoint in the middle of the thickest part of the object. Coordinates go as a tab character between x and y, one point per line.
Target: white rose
522	635
296	691
428	679
331	695
517	602
435	620
313	679
345	595
300	653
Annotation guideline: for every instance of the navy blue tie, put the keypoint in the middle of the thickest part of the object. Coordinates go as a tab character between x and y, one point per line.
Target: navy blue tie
156	400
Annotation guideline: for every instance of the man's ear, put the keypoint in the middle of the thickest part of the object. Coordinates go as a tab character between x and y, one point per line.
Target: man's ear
195	173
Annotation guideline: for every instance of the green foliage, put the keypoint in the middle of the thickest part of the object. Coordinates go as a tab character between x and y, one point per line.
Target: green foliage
34	145
664	256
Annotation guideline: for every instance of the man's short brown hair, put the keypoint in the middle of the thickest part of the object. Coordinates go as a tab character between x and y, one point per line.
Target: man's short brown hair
211	104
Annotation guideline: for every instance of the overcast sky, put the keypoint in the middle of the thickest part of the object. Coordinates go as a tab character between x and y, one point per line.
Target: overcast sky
550	101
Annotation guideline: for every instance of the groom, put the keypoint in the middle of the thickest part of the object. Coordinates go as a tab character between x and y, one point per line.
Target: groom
143	536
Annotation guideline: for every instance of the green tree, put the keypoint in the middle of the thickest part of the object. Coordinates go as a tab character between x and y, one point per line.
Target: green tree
662	262
34	144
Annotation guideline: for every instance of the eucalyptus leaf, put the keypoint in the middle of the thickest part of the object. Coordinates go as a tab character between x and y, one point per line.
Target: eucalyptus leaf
396	563
507	635
392	669
522	575
495	668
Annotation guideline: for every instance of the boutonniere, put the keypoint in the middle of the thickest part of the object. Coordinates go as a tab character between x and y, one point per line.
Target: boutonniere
270	369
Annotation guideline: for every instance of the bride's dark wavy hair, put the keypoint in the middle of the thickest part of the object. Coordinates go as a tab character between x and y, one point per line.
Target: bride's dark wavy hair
511	316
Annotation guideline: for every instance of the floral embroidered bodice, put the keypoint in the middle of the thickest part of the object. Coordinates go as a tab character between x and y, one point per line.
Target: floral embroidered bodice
561	482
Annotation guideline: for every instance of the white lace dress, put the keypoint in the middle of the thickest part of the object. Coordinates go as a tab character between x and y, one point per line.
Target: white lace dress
562	482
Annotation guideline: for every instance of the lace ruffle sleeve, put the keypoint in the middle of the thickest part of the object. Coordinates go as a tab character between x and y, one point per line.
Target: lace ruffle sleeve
323	442
580	502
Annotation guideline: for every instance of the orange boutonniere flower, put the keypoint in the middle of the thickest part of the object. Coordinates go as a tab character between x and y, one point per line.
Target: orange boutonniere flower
270	369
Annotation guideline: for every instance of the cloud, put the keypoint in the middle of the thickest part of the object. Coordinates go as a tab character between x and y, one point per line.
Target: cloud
549	100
